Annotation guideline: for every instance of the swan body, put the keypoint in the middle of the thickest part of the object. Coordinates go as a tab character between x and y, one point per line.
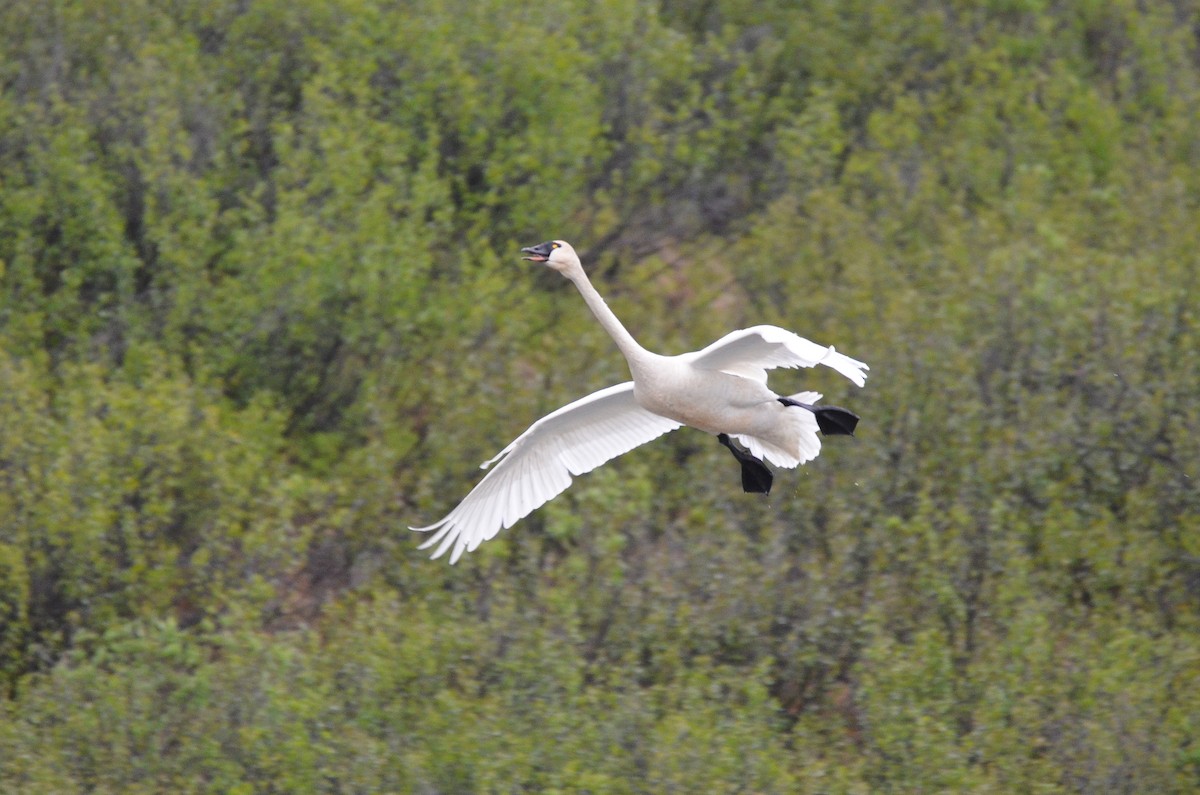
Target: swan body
721	389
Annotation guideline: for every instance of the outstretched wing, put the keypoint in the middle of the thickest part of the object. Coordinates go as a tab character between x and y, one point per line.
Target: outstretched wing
750	352
539	464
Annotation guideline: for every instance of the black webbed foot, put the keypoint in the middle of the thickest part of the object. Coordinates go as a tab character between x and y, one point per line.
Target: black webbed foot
832	420
756	478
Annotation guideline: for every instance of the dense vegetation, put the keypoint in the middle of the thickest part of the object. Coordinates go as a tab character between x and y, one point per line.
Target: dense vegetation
261	307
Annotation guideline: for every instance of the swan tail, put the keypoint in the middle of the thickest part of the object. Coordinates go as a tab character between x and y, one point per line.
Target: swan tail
795	439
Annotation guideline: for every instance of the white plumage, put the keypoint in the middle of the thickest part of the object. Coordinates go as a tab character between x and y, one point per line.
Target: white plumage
720	389
540	463
751	352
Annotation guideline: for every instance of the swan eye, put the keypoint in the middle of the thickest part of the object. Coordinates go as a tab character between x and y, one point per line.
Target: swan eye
555	245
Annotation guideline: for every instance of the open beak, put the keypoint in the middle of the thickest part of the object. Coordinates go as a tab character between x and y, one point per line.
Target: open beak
538	253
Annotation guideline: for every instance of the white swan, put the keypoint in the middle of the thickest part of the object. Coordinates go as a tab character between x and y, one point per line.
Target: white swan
721	390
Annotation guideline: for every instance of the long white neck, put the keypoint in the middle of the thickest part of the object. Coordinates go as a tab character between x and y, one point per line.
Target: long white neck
634	354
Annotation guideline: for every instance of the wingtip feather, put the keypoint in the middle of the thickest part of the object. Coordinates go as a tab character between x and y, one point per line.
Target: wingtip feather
853	369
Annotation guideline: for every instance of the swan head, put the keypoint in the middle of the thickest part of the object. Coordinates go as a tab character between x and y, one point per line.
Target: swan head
556	254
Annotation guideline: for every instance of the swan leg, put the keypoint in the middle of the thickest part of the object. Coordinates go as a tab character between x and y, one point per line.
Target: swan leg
756	478
832	420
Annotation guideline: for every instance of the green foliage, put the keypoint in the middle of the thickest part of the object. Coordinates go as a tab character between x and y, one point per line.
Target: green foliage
260	308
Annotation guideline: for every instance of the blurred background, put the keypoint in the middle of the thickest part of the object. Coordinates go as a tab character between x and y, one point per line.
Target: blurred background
261	308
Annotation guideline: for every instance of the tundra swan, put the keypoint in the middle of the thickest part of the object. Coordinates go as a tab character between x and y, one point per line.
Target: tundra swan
721	390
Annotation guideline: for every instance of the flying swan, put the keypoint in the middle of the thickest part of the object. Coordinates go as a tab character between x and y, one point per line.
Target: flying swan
721	390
